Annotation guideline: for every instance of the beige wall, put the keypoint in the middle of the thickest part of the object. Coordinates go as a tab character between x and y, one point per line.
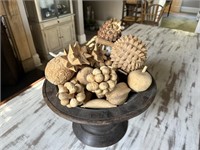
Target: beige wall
105	9
191	3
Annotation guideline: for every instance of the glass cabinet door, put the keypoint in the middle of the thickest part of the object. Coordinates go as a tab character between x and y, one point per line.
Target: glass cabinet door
48	9
63	7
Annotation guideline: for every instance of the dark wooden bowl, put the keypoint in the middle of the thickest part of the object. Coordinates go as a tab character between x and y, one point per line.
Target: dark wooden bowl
93	126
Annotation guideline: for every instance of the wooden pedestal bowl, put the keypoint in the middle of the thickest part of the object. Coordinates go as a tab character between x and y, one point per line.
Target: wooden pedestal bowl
100	127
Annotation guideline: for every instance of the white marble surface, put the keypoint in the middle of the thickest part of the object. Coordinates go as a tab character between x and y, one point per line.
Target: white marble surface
172	122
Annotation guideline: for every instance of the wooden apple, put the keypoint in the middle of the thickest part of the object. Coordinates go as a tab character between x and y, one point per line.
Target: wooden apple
139	80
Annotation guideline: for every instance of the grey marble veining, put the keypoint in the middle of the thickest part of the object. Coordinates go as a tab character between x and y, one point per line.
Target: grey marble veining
171	122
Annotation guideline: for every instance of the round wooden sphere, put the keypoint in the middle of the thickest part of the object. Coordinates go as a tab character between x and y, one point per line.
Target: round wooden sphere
139	81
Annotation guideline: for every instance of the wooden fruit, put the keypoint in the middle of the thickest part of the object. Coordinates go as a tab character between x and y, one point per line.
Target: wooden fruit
119	94
110	30
72	94
101	81
128	53
56	71
139	80
98	103
82	74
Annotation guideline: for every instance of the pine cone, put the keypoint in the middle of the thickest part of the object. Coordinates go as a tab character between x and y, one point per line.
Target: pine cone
128	53
110	30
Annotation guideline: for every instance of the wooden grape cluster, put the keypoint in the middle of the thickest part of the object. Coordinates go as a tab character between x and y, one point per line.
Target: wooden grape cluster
101	81
71	94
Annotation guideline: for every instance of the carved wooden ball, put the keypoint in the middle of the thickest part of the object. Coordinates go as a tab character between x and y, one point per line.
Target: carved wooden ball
56	71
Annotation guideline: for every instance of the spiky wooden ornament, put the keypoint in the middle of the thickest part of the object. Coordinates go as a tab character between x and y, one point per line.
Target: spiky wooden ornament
110	30
128	53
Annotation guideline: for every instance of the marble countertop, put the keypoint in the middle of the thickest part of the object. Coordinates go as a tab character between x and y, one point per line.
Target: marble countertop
171	122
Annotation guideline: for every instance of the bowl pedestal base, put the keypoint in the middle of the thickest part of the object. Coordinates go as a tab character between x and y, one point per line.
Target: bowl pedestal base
100	135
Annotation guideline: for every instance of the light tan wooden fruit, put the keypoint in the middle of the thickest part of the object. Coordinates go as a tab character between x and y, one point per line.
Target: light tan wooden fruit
64	102
57	72
71	87
139	80
98	103
119	94
93	86
82	74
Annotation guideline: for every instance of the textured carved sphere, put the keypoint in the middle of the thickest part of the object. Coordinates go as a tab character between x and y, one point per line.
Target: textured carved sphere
56	71
128	53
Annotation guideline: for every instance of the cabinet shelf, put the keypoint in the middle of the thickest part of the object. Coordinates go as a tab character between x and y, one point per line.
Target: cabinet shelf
52	33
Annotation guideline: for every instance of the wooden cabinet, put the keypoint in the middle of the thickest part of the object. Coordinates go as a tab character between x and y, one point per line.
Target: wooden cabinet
52	39
51	33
